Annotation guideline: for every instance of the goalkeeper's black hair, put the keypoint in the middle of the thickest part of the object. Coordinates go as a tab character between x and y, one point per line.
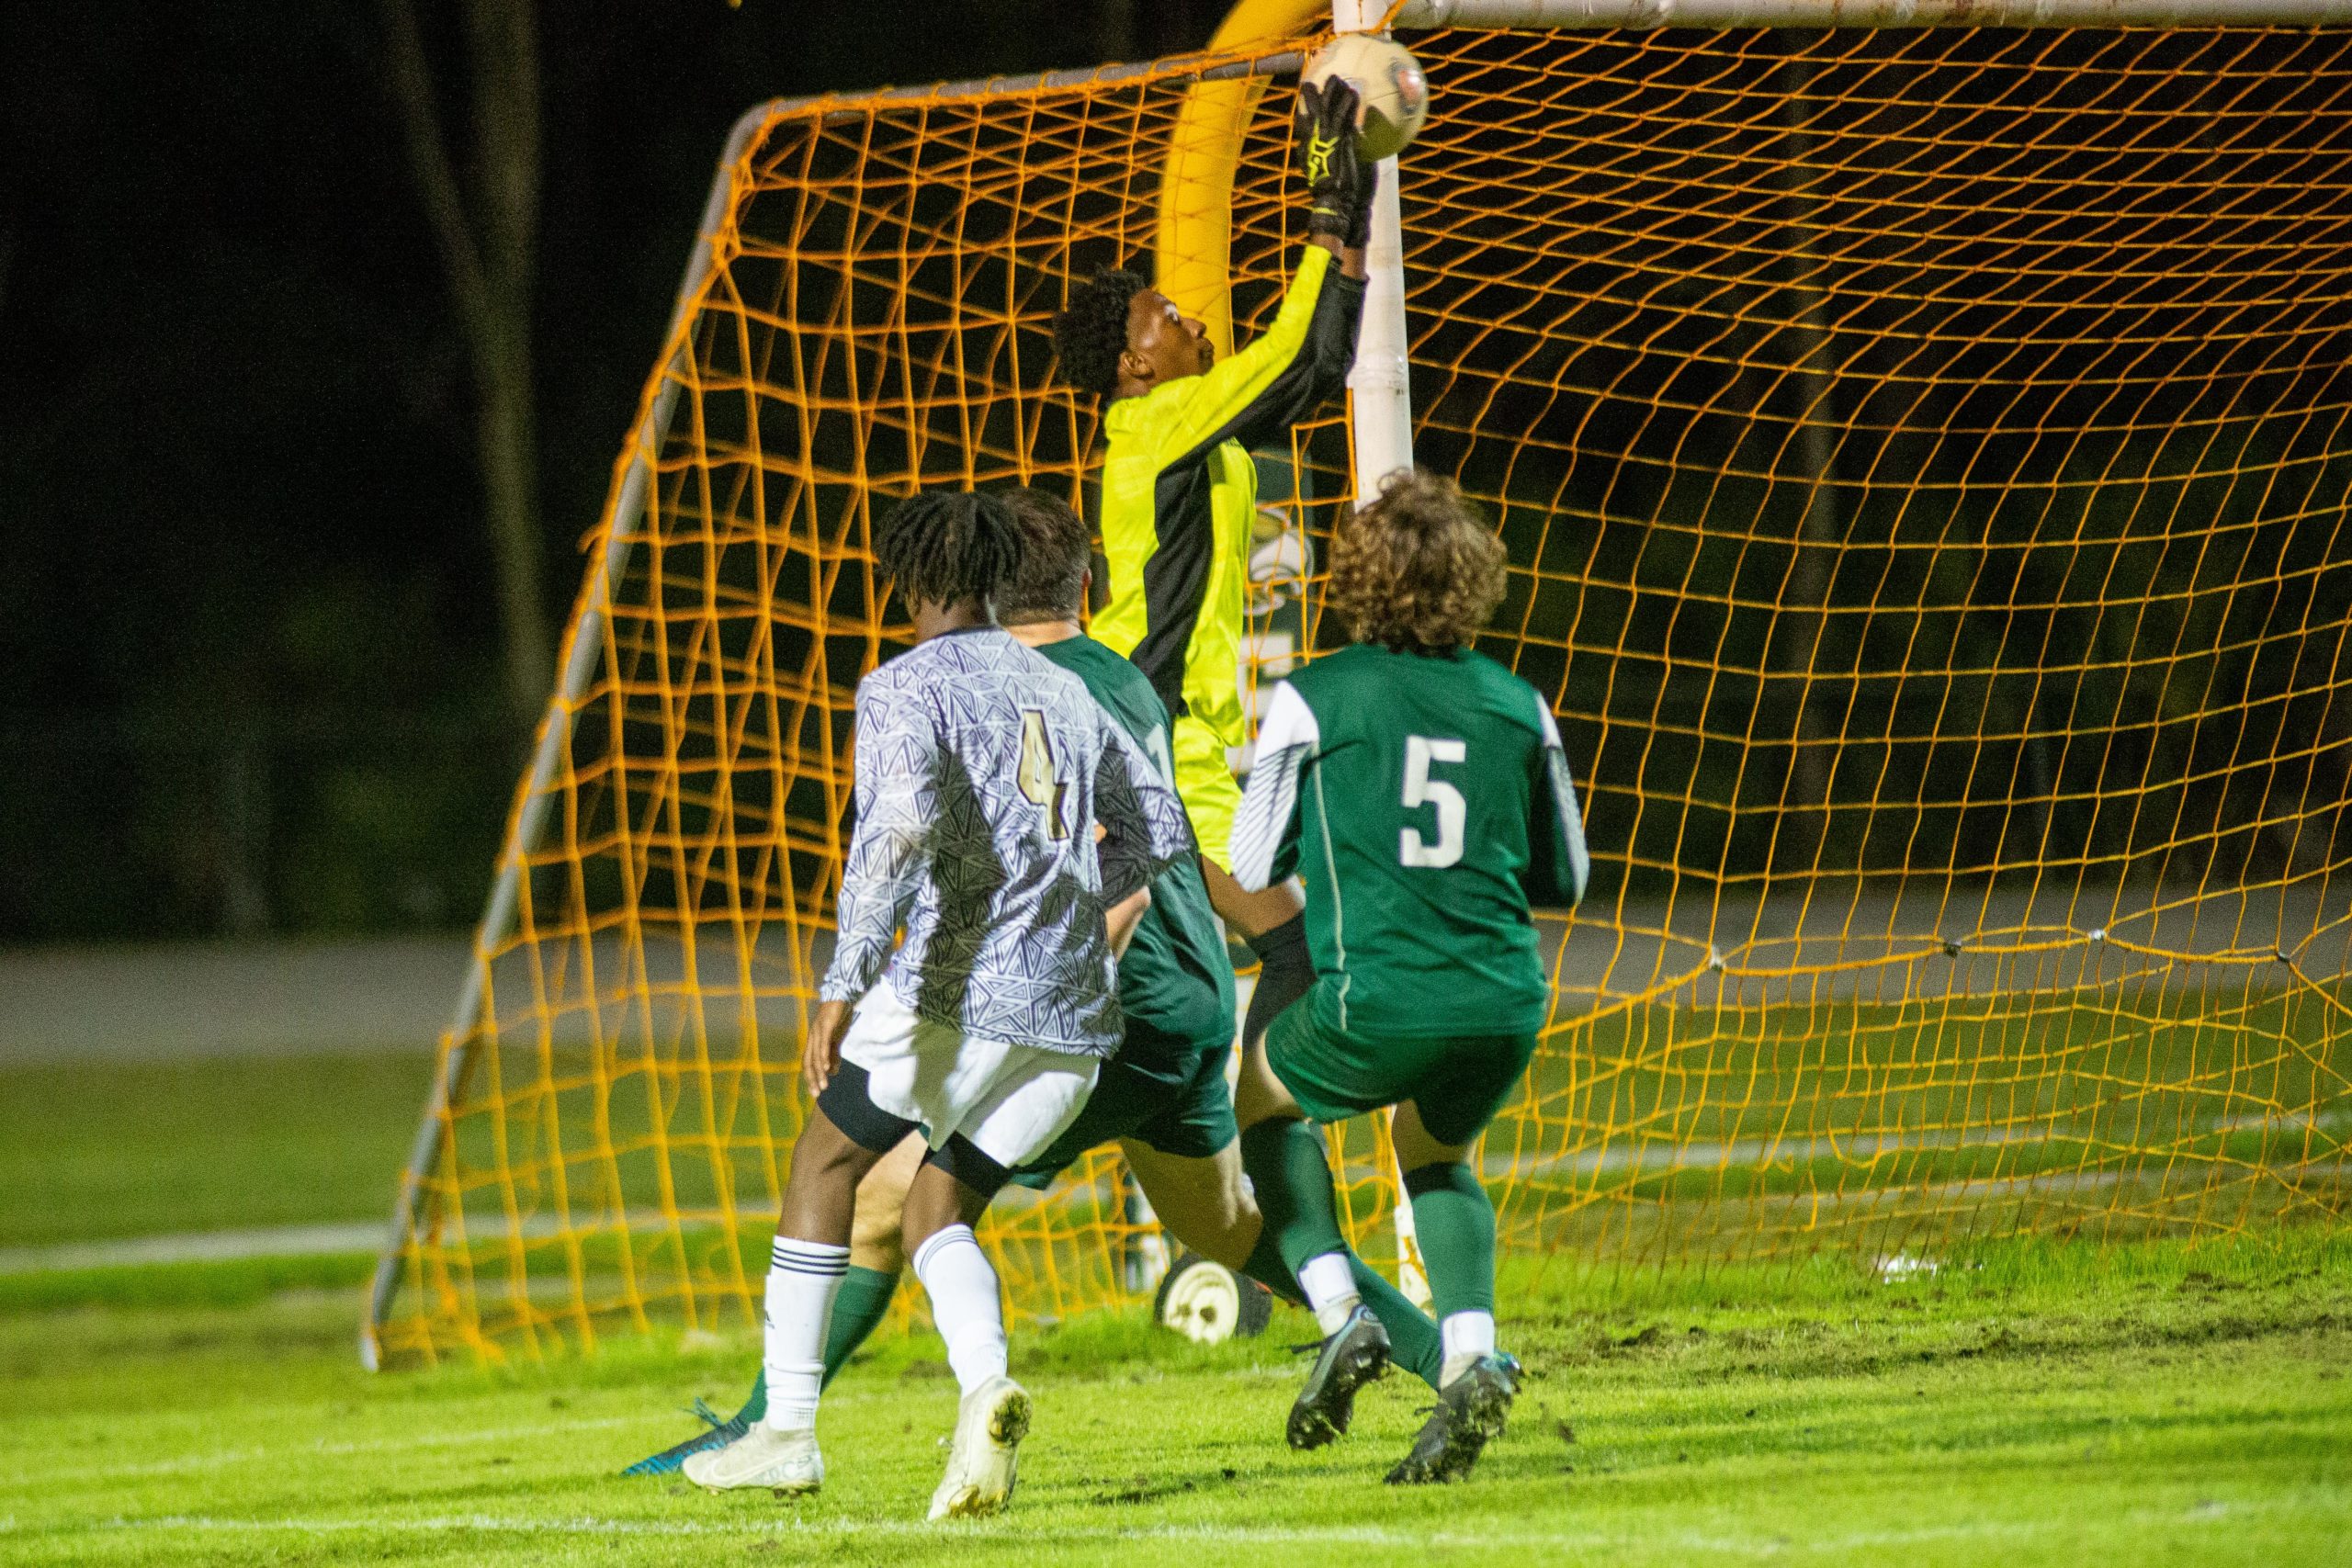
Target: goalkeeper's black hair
1090	336
949	546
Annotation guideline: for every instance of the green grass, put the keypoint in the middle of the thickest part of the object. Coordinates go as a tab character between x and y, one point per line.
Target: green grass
93	1151
2179	1070
237	1281
1967	1089
2030	1404
2152	1404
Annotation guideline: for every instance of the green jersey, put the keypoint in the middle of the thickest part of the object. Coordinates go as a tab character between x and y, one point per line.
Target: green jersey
1425	798
1175	983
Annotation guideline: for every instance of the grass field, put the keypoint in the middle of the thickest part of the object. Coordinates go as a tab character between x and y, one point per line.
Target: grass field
2151	1404
2155	1405
96	1150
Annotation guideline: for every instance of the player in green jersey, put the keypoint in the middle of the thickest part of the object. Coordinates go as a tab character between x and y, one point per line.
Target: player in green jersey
1422	790
1163	1098
1180	494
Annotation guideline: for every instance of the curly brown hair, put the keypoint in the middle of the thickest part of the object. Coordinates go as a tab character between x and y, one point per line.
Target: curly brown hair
1417	571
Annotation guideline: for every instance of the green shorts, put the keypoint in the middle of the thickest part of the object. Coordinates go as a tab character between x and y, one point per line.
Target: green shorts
1171	1100
1458	1082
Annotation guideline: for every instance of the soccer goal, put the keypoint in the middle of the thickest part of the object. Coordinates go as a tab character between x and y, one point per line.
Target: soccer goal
1923	455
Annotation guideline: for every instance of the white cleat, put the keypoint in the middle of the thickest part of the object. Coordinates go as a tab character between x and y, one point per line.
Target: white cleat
787	1463
989	1425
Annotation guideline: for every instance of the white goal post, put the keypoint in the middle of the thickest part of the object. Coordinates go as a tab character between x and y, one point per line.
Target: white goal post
1814	14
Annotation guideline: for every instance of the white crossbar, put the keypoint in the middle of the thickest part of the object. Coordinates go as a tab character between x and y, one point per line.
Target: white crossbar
1647	14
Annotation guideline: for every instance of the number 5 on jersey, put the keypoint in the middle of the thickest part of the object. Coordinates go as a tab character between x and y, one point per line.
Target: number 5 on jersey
1420	750
1035	774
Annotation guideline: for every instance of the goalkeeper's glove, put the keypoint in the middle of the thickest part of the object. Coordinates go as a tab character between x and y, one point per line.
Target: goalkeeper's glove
1339	184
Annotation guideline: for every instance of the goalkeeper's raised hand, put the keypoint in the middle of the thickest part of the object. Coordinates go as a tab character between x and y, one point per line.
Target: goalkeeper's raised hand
1339	182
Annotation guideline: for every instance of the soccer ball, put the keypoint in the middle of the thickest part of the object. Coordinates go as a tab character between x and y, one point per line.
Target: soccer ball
1388	82
1208	1303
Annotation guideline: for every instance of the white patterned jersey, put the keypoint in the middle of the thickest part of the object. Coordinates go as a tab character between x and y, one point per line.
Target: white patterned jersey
982	770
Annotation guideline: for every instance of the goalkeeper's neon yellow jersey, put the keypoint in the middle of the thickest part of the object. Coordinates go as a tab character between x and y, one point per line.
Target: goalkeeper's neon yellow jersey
1179	491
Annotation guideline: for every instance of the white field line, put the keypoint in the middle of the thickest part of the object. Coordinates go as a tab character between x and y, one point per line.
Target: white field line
296	1453
313	1241
1660	1153
1640	1155
1648	1155
293	1453
1234	1535
197	1246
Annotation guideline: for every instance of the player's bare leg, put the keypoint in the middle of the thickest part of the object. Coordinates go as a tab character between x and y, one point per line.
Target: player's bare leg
994	1414
1206	1206
877	1254
1457	1223
1202	1202
876	1239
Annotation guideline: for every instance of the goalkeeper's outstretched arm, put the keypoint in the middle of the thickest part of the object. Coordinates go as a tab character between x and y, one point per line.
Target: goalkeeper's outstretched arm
1121	338
1302	361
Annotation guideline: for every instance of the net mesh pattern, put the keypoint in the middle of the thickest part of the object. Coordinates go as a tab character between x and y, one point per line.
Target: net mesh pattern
1923	462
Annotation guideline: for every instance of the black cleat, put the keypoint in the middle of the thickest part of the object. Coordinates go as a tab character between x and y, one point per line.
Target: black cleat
1356	1355
1470	1410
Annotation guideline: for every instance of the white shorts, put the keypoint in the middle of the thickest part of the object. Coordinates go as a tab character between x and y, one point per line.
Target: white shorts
1009	1101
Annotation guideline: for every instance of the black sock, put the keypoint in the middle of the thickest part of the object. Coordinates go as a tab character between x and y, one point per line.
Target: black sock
1285	972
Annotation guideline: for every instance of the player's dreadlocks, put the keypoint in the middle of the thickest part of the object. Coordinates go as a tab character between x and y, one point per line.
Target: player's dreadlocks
1055	550
949	546
1417	571
1090	336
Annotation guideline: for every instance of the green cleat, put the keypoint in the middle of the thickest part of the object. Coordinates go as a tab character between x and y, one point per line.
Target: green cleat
1356	1355
1470	1410
716	1434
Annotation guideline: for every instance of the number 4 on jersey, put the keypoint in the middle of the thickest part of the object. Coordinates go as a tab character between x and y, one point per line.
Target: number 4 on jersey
1420	750
1036	772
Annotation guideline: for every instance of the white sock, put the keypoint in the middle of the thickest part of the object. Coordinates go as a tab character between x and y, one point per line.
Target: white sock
964	1303
1467	1336
1330	1287
803	1277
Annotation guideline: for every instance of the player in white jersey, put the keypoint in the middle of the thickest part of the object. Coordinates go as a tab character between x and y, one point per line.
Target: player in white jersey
982	773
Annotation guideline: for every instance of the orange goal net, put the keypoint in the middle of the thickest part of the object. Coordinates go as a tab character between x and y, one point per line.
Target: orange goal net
1924	463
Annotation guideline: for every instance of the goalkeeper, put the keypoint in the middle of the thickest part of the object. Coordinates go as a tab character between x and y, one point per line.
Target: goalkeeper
1179	491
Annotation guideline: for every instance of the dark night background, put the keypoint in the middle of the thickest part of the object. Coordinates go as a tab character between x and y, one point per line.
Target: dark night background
249	612
258	631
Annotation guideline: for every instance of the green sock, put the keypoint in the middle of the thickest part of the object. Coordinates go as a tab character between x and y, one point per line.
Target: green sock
1414	1343
1286	1164
1455	1221
1266	1267
757	1407
858	1310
